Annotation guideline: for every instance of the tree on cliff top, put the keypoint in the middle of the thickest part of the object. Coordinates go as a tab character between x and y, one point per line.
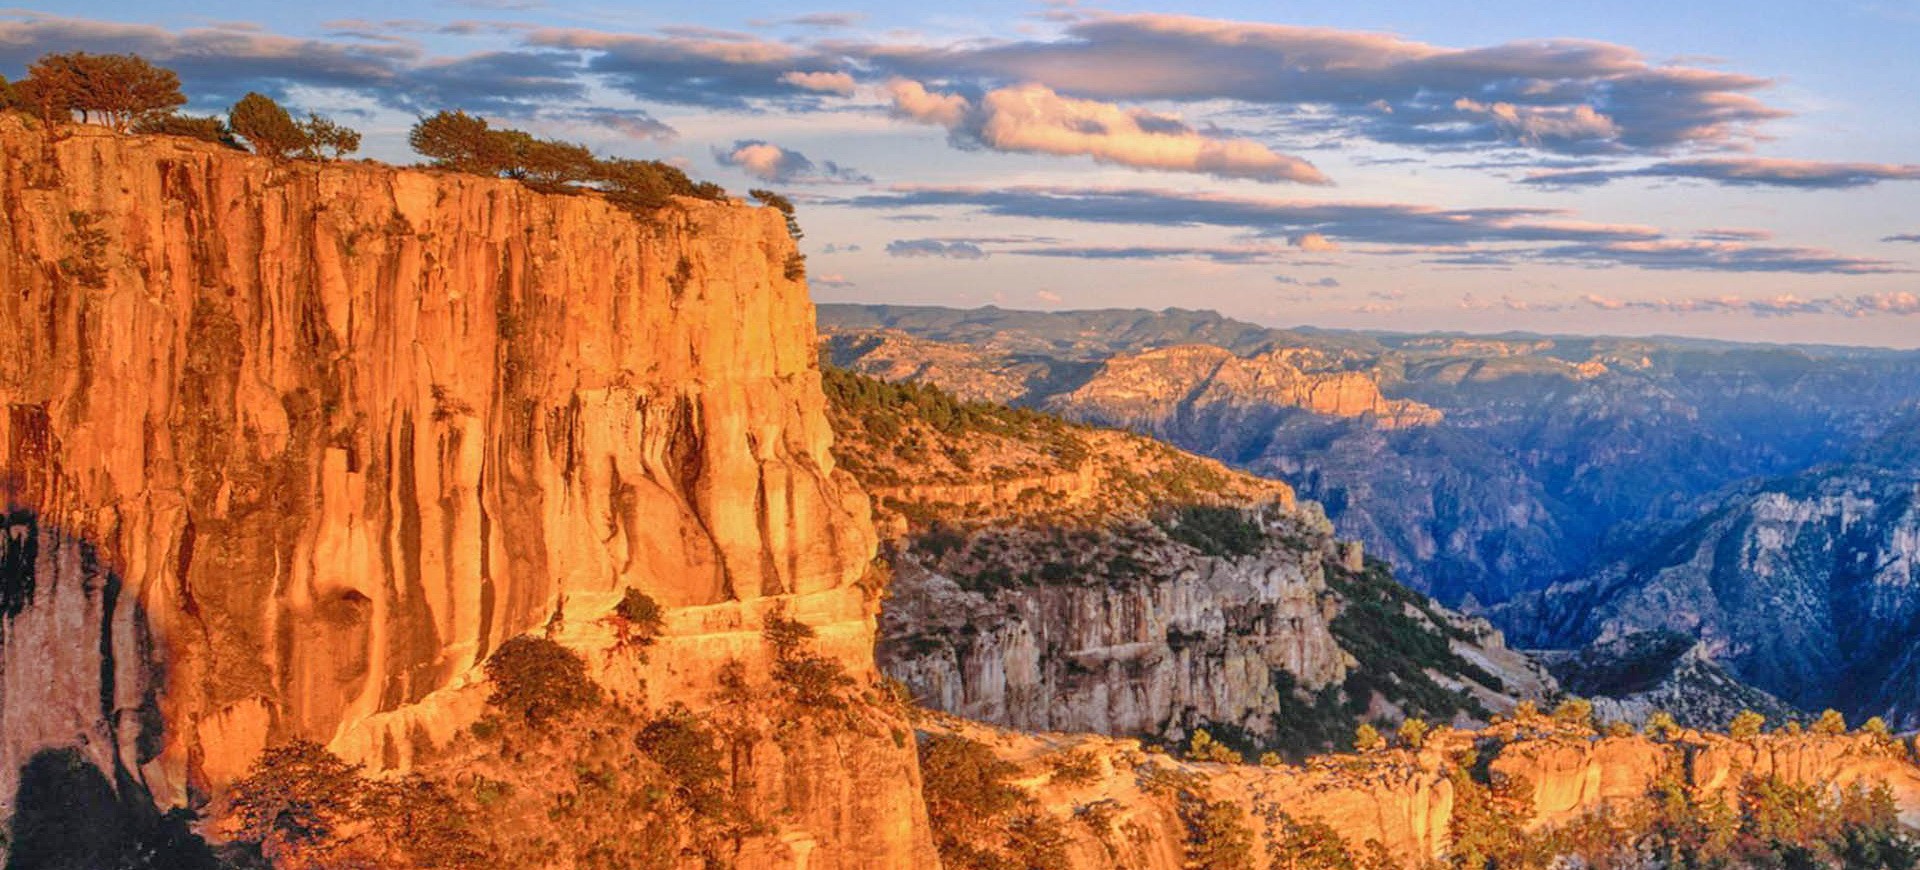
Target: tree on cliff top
266	126
117	90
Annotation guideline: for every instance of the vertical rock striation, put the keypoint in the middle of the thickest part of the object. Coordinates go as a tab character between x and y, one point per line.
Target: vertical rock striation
290	448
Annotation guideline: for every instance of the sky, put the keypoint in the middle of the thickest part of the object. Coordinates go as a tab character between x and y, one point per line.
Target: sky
1746	171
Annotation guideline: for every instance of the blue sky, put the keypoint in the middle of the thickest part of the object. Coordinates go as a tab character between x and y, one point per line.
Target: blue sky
1738	170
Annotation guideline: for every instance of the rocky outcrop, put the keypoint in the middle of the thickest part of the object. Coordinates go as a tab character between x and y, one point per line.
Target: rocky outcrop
1125	811
291	447
1130	634
1147	391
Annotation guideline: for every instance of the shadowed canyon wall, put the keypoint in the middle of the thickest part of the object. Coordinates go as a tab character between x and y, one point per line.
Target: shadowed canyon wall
290	448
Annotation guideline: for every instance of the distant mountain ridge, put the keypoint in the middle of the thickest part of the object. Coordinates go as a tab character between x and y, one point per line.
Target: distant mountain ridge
1549	453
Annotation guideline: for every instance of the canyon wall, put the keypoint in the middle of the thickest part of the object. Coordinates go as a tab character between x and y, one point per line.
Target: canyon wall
291	447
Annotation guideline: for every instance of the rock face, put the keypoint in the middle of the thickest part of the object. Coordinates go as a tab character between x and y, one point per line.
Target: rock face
1189	641
290	448
1149	390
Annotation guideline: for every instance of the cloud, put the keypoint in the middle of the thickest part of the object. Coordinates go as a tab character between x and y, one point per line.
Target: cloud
1327	283
714	70
1376	308
1313	242
1743	172
630	122
821	20
1565	95
956	250
1703	255
769	162
1047	296
840	249
1903	237
1788	305
830	282
1733	234
1334	221
1231	255
1494	236
826	82
1034	119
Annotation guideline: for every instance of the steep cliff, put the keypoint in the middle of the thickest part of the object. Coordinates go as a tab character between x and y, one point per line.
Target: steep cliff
292	447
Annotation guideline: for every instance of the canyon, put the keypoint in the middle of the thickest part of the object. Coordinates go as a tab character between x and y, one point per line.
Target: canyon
295	449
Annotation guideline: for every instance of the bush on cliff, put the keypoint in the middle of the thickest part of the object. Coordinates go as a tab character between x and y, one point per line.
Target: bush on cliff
272	131
980	821
536	681
804	676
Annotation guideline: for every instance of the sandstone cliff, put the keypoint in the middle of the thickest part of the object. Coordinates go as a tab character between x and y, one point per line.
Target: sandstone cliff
290	448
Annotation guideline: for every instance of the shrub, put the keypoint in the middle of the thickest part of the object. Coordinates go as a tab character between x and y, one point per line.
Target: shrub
1222	532
781	204
1660	726
1413	733
458	141
328	140
979	820
1366	738
691	758
1746	724
1076	768
636	621
1574	713
1830	723
295	800
117	90
804	676
1876	727
1218	837
206	129
536	681
1203	747
267	127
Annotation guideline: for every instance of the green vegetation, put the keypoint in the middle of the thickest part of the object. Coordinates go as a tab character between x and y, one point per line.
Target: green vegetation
301	806
1203	747
536	681
1746	724
804	676
1395	649
206	129
273	132
981	821
1218	531
461	142
117	90
636	622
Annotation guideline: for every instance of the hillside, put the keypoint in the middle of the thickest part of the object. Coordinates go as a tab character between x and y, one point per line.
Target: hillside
1053	576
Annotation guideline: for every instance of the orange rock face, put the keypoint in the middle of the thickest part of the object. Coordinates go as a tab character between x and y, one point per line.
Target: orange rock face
290	448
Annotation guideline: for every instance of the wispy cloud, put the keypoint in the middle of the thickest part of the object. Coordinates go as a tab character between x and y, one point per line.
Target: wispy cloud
951	250
1742	172
1896	303
1902	237
1482	236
